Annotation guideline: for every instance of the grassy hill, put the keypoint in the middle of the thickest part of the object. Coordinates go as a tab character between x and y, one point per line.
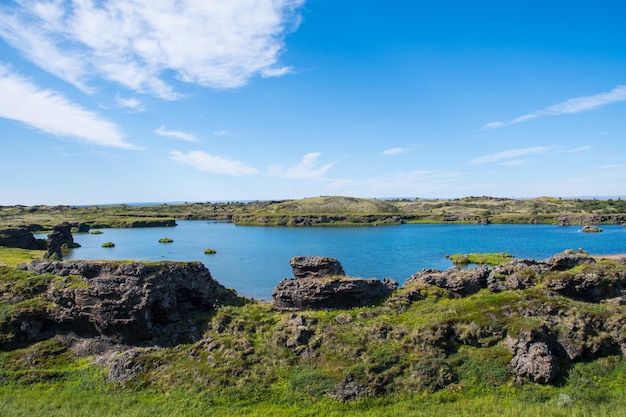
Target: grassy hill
331	211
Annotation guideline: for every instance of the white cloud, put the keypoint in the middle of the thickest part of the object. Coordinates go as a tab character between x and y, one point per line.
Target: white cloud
52	113
393	151
218	44
512	153
574	105
203	161
175	134
221	133
130	103
308	168
493	125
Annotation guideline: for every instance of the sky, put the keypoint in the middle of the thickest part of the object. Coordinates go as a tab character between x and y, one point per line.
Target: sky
122	101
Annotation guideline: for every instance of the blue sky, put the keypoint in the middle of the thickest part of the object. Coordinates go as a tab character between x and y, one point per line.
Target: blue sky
111	101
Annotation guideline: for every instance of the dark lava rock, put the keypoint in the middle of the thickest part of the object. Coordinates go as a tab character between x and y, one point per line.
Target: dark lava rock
321	283
518	274
588	286
127	303
315	267
325	293
22	238
460	282
532	358
567	260
61	235
348	389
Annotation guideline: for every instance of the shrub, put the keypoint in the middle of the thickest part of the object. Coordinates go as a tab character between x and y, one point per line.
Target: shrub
108	245
96	232
210	251
165	240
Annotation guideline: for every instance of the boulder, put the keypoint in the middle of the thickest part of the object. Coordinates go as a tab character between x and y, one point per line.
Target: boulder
532	358
315	267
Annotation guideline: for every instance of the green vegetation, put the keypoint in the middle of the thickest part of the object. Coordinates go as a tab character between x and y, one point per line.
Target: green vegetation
480	258
108	245
96	232
15	256
432	355
330	211
210	251
166	240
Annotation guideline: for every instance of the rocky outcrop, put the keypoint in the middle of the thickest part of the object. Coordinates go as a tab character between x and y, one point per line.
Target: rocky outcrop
591	229
60	237
22	238
566	260
520	274
460	282
321	284
583	219
126	303
533	358
315	267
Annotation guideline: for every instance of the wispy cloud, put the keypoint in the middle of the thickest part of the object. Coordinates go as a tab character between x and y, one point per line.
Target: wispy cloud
410	183
582	148
221	133
214	164
175	134
394	151
50	112
136	43
574	105
132	104
308	168
509	154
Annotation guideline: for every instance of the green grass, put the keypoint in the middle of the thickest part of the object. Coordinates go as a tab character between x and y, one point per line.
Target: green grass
80	389
15	256
480	258
435	356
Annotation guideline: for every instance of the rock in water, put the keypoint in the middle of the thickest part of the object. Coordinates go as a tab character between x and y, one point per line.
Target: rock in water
321	283
315	267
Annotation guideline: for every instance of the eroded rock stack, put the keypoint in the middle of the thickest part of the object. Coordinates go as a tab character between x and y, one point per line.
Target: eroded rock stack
320	283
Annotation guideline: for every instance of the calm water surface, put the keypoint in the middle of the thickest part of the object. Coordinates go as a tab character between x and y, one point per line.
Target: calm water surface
253	259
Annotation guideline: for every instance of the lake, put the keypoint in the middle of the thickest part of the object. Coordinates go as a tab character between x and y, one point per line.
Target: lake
252	260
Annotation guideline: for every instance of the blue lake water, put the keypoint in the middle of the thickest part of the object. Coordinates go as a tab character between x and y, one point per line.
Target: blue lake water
253	260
